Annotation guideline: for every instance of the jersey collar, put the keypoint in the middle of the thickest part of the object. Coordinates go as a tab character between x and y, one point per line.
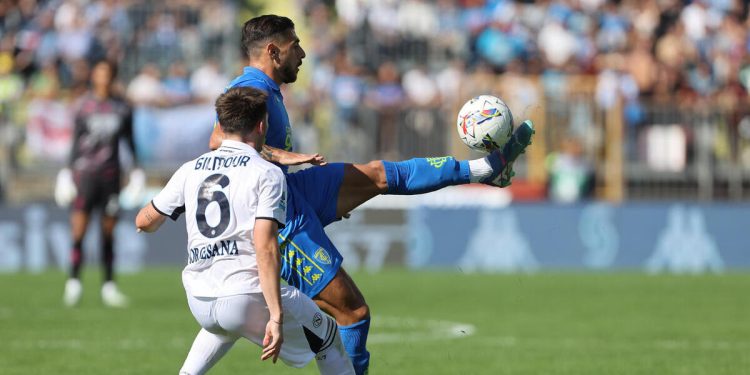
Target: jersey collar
230	145
257	73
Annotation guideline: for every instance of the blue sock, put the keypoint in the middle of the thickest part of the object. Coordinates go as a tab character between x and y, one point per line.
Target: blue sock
354	338
423	175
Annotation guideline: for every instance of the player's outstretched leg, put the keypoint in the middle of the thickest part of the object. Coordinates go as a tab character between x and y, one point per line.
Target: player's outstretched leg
362	182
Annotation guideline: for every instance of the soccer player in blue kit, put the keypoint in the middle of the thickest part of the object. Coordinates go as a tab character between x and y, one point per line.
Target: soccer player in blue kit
323	194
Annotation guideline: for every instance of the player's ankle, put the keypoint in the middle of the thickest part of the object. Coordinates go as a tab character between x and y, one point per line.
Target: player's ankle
479	169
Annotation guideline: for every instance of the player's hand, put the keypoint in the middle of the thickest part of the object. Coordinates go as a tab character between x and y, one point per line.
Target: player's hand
293	158
65	188
132	195
272	341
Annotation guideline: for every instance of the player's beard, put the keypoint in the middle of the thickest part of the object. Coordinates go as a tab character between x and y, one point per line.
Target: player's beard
290	73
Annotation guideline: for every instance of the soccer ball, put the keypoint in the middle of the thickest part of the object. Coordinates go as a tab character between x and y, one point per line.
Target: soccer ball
484	123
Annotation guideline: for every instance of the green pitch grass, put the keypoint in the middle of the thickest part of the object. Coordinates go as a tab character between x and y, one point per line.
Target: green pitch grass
425	323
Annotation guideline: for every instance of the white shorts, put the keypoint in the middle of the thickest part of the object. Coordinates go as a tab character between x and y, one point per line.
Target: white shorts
246	315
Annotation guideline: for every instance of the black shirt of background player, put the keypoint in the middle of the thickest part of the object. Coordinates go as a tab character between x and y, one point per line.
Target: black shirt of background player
99	126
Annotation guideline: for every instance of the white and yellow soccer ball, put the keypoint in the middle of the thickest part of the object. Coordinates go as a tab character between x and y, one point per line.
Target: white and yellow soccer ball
484	123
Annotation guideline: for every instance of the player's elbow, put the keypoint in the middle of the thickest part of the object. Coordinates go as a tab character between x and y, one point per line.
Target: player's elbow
267	251
266	246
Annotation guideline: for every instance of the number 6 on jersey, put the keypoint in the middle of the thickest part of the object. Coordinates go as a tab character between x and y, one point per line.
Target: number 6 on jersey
210	192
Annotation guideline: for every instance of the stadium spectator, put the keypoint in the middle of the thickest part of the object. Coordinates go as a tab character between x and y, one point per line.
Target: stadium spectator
49	121
176	84
146	88
207	82
11	84
571	175
386	97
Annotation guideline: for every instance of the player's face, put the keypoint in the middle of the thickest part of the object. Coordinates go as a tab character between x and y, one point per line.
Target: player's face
290	58
101	75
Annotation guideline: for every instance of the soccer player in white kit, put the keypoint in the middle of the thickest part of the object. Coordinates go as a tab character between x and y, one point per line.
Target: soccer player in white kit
234	203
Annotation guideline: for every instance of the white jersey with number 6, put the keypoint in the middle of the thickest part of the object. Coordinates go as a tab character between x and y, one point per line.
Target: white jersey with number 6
222	193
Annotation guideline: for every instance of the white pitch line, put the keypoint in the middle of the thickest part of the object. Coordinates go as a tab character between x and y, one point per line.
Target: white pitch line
410	329
402	330
49	344
571	342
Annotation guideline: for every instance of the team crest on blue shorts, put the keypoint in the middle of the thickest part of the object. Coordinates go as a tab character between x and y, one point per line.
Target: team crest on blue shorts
322	256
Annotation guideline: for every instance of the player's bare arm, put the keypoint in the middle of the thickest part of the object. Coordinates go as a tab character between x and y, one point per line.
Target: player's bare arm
282	157
272	154
269	265
149	219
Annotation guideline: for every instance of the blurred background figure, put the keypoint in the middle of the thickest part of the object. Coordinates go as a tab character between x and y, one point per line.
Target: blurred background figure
386	98
92	179
571	177
207	81
177	84
146	88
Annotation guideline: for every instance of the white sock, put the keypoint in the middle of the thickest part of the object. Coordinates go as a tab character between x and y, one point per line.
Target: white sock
479	169
334	360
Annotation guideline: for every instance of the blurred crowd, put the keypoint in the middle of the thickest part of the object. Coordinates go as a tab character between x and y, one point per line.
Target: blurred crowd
168	54
50	45
396	72
385	77
391	53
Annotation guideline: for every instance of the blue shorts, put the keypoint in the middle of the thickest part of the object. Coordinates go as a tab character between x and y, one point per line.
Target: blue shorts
309	259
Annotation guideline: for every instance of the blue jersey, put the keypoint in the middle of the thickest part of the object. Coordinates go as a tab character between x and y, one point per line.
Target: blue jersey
279	129
309	259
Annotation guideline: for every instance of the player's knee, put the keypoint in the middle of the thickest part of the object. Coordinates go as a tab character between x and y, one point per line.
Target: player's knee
361	313
351	314
355	315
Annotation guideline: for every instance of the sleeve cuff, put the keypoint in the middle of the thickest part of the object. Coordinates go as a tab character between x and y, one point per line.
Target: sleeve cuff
175	214
281	225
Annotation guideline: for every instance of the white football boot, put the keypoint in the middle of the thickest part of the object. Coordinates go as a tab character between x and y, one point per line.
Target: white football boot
73	292
111	295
